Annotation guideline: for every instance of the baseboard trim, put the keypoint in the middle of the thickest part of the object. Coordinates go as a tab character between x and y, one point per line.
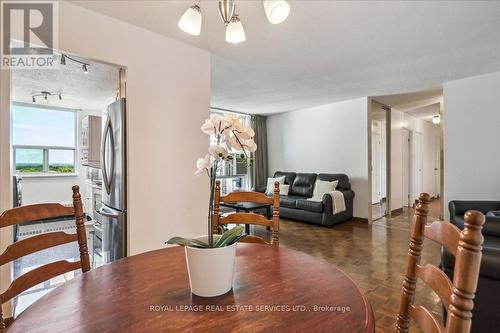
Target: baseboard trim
359	219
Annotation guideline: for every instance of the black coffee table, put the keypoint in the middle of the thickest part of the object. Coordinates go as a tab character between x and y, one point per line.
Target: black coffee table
248	207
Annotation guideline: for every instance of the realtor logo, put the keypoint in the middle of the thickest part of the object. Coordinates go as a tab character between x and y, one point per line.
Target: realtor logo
28	34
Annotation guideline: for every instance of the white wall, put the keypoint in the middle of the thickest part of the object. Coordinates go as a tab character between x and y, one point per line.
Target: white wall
330	138
472	138
400	121
58	188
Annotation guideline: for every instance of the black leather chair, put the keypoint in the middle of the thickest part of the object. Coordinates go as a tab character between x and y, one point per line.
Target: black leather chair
486	313
296	206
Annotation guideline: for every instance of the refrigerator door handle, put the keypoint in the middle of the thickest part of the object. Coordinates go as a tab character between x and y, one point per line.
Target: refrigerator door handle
104	212
108	134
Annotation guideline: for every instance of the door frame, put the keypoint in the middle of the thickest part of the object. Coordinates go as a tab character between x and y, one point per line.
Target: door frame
388	139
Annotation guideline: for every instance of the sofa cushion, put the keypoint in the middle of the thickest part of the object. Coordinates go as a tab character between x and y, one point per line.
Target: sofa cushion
342	178
289	201
289	176
303	185
312	206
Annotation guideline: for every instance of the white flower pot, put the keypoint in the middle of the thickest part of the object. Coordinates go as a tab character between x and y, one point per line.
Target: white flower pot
210	270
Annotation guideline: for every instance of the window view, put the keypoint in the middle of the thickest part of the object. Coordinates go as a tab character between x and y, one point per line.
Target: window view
43	140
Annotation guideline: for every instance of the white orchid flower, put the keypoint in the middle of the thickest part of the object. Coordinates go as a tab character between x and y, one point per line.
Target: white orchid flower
203	164
218	151
250	145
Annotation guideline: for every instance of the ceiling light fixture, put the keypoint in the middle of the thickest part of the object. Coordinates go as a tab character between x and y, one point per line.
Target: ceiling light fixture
190	22
234	31
276	10
45	95
85	65
436	119
226	11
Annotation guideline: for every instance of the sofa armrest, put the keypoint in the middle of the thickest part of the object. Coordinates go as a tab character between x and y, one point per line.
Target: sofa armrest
327	200
459	207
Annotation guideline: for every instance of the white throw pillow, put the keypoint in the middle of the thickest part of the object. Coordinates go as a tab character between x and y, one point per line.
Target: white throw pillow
284	189
270	184
322	187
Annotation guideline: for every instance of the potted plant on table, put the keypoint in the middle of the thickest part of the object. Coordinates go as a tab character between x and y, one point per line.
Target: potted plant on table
210	258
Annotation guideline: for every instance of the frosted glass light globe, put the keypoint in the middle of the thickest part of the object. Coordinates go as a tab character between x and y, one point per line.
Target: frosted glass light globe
190	21
276	10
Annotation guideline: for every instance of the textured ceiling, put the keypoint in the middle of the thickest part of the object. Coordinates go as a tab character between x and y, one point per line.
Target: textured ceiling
92	91
328	51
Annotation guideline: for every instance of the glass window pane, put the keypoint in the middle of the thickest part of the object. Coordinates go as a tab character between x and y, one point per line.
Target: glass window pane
61	161
29	160
42	127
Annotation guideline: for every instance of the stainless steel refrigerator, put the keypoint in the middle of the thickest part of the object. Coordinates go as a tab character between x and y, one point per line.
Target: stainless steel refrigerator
114	178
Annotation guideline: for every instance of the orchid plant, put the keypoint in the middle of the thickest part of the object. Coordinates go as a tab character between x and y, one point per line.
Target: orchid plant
232	137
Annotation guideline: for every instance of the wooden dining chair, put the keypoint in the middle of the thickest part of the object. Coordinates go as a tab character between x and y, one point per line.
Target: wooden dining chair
44	241
457	296
248	218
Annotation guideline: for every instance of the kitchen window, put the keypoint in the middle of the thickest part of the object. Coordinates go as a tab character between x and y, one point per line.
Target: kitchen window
44	140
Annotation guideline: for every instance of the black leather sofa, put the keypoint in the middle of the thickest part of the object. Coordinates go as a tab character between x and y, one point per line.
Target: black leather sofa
485	315
296	206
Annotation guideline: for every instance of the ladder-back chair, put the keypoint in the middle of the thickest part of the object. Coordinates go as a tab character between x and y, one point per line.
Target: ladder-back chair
457	296
248	218
44	241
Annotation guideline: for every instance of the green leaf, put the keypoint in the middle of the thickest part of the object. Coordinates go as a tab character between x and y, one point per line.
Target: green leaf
235	240
187	242
229	236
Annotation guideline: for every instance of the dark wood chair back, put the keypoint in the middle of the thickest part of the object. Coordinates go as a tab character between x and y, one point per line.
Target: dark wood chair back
249	218
37	243
457	296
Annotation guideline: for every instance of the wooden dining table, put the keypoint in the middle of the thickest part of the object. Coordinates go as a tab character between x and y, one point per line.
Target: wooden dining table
275	289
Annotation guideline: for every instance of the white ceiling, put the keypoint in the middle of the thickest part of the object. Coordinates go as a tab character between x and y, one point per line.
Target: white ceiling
328	51
92	91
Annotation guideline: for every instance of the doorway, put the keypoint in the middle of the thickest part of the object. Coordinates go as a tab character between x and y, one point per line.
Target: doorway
56	118
379	159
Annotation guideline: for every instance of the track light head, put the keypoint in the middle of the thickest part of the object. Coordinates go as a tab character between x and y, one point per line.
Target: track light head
46	100
63	59
33	99
60	97
85	68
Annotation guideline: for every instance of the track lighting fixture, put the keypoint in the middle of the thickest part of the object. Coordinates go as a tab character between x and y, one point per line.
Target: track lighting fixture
45	95
85	65
276	11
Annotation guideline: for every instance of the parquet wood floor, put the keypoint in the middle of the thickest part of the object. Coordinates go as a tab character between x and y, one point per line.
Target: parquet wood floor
372	255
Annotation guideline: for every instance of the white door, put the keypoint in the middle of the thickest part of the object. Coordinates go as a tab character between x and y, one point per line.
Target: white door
418	165
376	168
406	167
